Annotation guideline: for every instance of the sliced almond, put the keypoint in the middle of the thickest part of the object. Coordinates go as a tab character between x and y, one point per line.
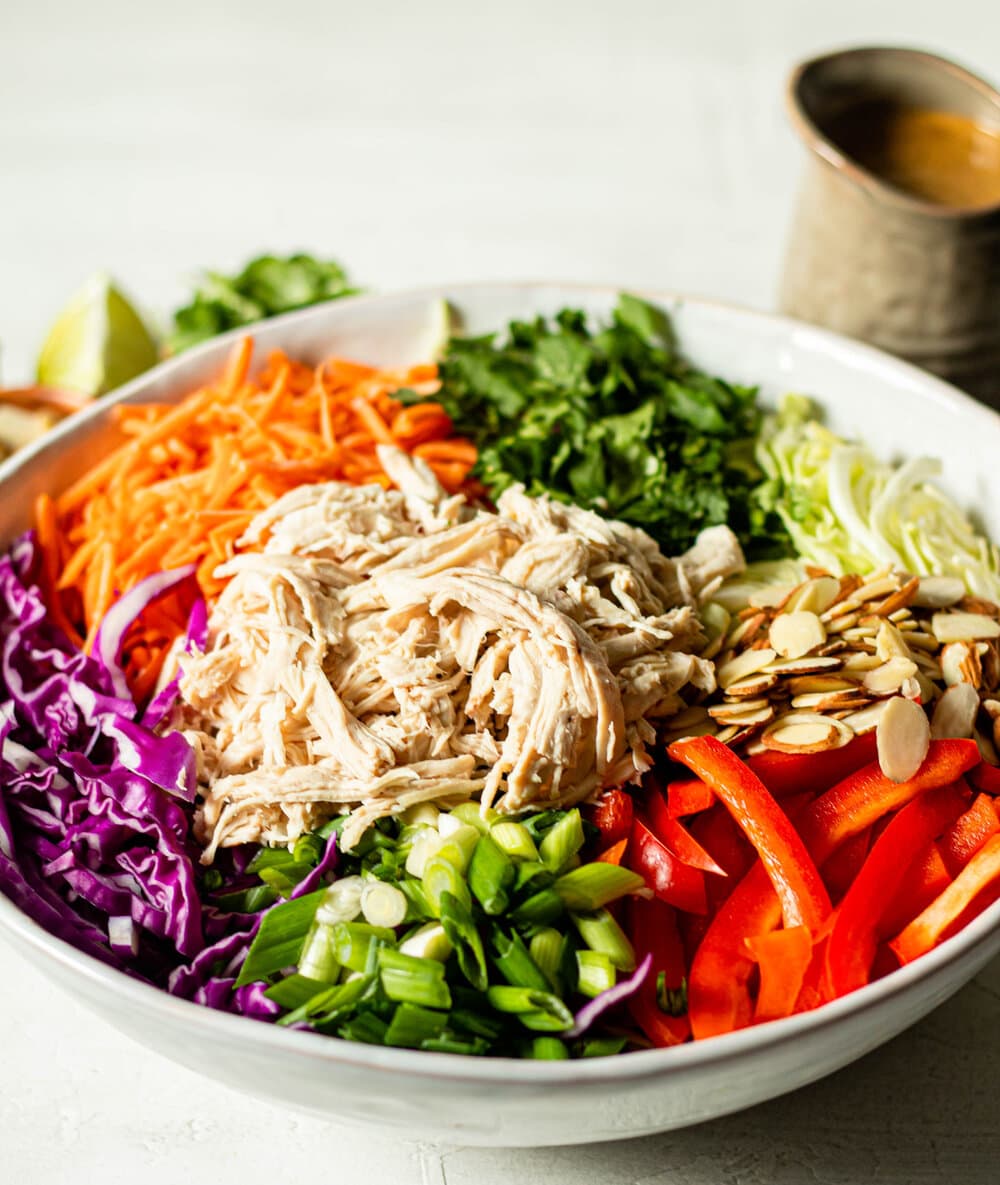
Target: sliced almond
769	597
727	734
695	715
752	685
747	663
742	631
964	627
899	616
742	719
988	746
805	732
814	596
887	678
901	599
910	688
840	624
706	728
977	605
755	748
833	646
831	701
902	737
861	662
889	643
992	708
955	712
807	665
825	684
881	585
939	592
794	634
922	640
866	720
927	691
956	658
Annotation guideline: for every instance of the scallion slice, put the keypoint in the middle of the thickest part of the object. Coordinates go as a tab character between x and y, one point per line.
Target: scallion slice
515	839
412	1025
592	885
602	933
279	940
413	981
562	841
491	875
595	973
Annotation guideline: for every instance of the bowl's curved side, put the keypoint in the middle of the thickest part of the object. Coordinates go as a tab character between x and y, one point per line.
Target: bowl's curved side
472	1101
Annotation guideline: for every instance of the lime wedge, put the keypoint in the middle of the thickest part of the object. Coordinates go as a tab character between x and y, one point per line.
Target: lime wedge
97	343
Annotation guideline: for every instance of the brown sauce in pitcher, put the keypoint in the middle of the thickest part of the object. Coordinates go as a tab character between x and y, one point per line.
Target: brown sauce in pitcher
936	156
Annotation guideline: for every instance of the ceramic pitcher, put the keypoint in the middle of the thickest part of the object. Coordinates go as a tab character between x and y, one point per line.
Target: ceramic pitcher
918	278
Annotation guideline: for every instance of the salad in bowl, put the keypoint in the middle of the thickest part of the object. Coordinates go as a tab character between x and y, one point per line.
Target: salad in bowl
540	697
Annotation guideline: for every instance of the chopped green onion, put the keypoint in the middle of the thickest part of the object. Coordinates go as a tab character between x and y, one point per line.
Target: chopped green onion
595	972
295	990
441	876
602	933
424	848
479	1024
308	849
342	901
541	1011
542	822
247	900
279	940
472	813
428	942
271	858
515	964
592	885
563	841
366	1027
284	879
458	923
421	813
411	1025
454	1045
548	1049
460	840
413	981
319	954
327	1007
546	949
418	907
541	909
672	1001
352	942
602	1046
212	879
532	875
491	875
515	839
383	905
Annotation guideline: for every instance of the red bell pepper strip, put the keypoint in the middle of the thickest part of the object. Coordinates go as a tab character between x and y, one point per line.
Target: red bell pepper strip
721	968
670	879
855	935
926	877
789	773
688	797
845	863
804	899
782	957
719	834
612	816
614	854
652	927
986	777
866	795
677	837
981	874
968	834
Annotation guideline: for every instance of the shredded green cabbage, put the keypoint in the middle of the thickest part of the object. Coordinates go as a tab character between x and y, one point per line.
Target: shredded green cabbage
847	511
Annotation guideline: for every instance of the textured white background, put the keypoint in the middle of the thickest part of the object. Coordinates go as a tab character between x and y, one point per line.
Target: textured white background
640	143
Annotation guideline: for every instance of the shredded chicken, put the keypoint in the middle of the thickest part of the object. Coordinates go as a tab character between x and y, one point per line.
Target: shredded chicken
377	648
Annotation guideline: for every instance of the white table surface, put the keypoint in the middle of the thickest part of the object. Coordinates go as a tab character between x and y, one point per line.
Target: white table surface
638	143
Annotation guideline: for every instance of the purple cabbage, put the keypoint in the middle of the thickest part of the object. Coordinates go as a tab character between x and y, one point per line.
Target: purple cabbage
613	996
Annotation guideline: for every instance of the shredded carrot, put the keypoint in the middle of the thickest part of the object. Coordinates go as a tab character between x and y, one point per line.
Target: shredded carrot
188	478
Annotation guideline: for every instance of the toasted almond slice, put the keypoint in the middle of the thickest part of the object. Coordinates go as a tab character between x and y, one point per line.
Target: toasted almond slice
841	609
831	701
725	735
992	708
833	646
887	679
839	625
902	737
988	746
712	650
866	719
910	689
964	627
742	631
772	597
808	684
905	624
814	596
989	660
939	592
735	707
860	633
745	734
814	573
899	616
889	643
755	748
743	719
878	587
973	604
707	728
955	712
752	685
805	732
794	634
927	690
956	658
922	640
861	661
807	665
747	663
809	699
901	599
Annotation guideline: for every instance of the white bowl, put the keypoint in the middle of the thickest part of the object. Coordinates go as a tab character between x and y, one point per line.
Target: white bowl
442	1097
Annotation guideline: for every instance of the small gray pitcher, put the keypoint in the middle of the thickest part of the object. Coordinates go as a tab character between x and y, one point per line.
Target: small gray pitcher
914	277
